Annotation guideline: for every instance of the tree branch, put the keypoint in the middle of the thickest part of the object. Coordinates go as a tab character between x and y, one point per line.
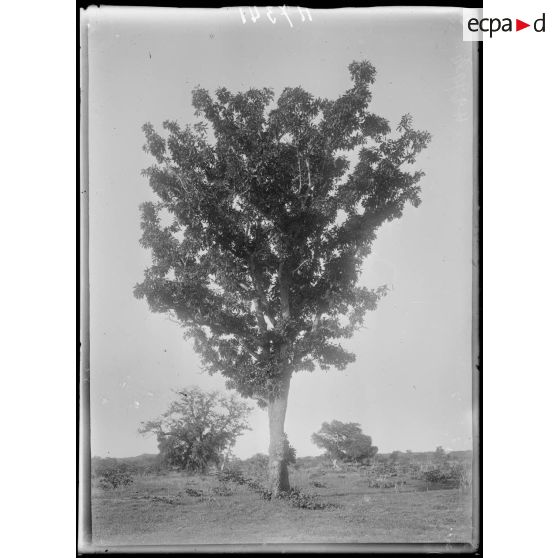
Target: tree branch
262	308
284	284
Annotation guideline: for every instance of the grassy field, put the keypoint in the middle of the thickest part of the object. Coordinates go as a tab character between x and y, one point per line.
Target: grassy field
178	508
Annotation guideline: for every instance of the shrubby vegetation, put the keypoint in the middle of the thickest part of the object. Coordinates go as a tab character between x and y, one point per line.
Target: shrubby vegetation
112	473
449	475
256	466
411	471
145	464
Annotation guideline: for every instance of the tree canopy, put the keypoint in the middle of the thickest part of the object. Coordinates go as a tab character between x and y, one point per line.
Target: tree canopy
344	441
198	428
261	225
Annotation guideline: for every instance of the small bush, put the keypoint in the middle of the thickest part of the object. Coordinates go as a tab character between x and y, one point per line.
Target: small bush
434	476
456	475
113	478
193	492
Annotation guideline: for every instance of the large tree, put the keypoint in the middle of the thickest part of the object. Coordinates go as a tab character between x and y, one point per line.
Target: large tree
262	226
344	441
198	429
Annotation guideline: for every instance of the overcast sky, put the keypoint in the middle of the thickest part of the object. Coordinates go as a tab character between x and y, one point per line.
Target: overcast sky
410	387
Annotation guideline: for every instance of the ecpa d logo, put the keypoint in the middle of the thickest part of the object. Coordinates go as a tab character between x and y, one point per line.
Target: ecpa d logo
474	25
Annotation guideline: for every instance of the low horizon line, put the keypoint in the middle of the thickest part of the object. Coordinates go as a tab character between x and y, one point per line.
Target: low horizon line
447	450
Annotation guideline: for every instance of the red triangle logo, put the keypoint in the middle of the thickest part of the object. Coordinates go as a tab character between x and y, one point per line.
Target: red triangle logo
519	25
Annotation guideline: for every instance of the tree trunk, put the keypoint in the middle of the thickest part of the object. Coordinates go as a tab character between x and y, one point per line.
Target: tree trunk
278	471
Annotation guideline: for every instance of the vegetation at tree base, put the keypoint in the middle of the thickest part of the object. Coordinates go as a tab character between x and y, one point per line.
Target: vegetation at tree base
344	441
294	495
290	452
198	429
268	229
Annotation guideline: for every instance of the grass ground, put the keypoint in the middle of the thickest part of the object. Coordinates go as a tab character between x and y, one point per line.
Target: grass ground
181	509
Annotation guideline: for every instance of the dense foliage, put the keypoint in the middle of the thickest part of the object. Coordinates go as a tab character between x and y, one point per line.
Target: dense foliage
261	226
344	441
198	429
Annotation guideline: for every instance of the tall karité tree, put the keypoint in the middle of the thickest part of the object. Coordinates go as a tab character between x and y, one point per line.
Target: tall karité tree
260	231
